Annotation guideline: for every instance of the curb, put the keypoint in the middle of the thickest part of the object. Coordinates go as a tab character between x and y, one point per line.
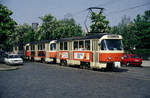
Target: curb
146	63
7	68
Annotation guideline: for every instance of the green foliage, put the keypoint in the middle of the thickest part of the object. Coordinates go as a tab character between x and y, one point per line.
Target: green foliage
125	28
68	28
56	29
49	25
142	51
7	25
99	23
142	28
23	34
135	34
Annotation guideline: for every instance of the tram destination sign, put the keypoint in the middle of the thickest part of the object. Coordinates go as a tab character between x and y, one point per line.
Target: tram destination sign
113	36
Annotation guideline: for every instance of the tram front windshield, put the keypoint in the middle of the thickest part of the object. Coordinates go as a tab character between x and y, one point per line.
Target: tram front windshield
111	44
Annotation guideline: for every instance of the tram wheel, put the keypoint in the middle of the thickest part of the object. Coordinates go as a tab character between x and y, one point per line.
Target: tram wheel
128	64
64	63
54	61
85	65
110	67
32	59
42	60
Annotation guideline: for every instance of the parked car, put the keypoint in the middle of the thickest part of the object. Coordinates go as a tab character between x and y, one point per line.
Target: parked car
13	59
132	60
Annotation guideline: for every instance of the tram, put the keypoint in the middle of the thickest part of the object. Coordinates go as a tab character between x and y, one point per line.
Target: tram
43	51
94	51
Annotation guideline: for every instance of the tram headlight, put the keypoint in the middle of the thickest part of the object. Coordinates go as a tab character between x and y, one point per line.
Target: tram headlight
122	58
109	58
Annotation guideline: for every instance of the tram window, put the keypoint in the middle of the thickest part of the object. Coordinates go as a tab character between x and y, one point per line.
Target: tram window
32	47
43	46
81	45
75	45
87	45
16	48
65	45
61	45
38	47
103	46
27	47
53	46
21	47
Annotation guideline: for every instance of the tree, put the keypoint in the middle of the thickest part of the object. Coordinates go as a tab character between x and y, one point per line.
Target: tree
68	28
135	34
22	34
46	31
7	25
126	29
25	33
99	23
142	28
56	29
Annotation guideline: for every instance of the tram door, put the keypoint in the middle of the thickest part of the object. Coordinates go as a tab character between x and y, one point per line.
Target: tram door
95	50
70	49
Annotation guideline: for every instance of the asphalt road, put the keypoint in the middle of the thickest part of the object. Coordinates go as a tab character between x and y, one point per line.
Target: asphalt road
37	80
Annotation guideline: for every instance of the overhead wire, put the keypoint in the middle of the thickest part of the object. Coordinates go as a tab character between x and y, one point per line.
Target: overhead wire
134	7
104	4
114	12
107	3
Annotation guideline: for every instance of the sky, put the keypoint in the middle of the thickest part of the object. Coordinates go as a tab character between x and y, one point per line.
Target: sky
29	11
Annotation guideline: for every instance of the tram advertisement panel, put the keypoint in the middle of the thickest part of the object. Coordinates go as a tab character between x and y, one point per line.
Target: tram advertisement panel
82	56
64	55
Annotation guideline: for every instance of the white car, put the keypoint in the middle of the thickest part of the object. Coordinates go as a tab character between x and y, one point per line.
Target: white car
13	59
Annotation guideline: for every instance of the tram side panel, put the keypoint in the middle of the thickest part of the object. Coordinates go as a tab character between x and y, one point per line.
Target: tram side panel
72	56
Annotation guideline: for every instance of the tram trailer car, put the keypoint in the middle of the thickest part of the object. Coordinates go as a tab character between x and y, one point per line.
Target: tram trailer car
43	51
95	51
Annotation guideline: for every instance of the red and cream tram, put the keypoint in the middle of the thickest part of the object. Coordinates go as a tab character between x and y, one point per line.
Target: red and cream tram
94	51
44	51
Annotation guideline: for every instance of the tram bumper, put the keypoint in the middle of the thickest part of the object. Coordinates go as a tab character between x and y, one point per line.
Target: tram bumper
117	64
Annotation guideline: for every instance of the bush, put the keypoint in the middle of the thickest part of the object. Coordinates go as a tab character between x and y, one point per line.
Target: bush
144	53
